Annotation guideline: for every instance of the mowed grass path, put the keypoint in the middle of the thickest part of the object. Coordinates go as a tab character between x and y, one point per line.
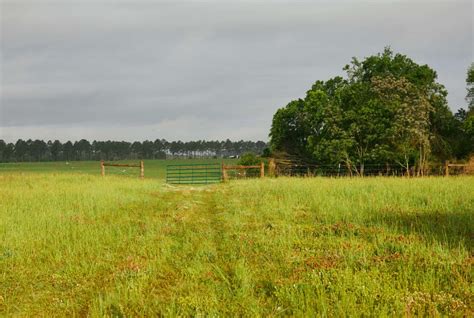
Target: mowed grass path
77	245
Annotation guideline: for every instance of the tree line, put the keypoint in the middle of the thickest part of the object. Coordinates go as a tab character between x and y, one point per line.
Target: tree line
386	110
39	150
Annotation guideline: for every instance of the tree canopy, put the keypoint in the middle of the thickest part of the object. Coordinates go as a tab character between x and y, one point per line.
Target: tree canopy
388	109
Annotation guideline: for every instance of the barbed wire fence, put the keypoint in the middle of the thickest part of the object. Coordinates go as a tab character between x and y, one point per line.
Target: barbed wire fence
286	167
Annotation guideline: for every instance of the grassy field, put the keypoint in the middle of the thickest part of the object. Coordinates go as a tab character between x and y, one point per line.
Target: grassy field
77	245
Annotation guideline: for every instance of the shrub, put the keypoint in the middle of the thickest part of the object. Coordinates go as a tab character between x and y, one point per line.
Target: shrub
249	159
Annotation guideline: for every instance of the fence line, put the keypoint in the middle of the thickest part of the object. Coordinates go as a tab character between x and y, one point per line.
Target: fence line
141	165
278	167
467	168
227	168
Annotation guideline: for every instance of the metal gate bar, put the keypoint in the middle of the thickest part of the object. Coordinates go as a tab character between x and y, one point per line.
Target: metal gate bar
194	173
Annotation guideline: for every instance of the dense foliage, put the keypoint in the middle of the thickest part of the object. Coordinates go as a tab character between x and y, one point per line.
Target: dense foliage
38	150
388	109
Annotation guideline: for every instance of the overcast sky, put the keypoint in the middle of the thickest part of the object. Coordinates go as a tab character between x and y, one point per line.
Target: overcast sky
136	70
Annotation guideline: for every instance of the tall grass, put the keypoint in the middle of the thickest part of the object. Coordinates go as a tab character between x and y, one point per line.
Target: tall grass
84	245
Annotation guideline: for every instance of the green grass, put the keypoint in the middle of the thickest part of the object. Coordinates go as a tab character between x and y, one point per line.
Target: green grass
77	245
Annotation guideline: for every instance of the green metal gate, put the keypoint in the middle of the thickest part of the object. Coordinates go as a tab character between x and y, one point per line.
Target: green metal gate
194	173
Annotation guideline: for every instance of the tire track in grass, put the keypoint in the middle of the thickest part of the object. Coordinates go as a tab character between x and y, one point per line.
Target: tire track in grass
220	280
199	252
232	265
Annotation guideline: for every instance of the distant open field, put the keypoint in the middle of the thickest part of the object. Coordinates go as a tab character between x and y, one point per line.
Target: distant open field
153	168
77	245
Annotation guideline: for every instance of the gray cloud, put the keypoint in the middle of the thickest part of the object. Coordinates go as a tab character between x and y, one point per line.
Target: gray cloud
137	70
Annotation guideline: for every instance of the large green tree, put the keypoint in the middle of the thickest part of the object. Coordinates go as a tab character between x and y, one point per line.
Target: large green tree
288	132
388	109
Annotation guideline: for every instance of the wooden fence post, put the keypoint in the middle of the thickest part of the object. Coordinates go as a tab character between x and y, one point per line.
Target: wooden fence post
262	169
224	173
142	170
470	165
271	167
447	169
102	168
